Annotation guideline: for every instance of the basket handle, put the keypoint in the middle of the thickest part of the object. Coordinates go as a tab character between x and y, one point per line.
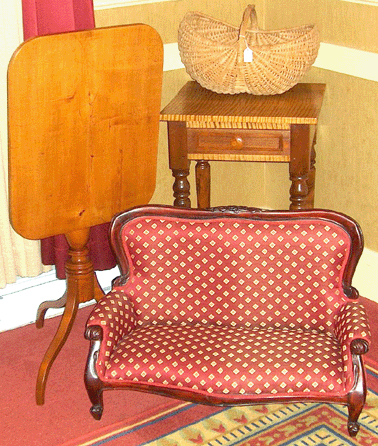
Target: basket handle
249	14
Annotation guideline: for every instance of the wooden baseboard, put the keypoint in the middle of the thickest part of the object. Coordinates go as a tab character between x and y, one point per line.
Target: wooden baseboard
19	302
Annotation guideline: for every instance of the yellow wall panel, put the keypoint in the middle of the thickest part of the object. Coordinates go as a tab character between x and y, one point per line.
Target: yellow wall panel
347	158
342	23
347	155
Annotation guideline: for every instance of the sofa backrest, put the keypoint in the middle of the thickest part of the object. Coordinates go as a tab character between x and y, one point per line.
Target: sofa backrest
228	270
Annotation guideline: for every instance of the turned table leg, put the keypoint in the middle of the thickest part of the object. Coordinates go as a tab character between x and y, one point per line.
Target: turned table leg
299	167
179	163
311	176
203	184
82	286
181	188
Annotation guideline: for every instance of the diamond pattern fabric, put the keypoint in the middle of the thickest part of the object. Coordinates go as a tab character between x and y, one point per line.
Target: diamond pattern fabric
115	315
234	272
223	360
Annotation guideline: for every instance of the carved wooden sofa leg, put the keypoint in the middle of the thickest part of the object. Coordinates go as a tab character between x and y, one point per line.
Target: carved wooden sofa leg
93	384
357	396
353	425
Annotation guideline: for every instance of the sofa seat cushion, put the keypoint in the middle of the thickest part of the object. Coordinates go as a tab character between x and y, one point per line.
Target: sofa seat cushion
226	361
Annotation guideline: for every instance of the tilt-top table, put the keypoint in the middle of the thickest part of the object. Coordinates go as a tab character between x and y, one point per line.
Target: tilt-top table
206	126
83	110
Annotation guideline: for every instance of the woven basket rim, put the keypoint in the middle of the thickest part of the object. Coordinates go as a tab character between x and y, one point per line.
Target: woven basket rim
256	48
310	27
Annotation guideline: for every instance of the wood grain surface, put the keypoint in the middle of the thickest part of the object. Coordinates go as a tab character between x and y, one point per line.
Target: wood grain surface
193	103
83	127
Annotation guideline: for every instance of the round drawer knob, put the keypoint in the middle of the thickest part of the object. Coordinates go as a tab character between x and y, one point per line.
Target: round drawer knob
237	142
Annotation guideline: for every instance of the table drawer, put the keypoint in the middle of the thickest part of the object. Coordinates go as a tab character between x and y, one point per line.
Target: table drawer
239	142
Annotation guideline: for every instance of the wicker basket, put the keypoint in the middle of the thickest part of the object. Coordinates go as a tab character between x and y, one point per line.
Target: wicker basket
213	54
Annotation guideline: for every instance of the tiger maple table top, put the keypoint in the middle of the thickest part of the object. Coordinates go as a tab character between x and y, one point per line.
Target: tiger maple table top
193	103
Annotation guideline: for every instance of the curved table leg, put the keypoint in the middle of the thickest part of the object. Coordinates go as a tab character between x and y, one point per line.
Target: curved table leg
42	309
56	345
61	302
82	286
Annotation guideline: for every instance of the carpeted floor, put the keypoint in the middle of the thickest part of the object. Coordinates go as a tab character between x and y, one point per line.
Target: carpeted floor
132	419
65	414
272	425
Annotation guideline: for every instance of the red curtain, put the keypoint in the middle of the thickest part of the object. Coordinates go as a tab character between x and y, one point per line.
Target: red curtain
49	17
56	16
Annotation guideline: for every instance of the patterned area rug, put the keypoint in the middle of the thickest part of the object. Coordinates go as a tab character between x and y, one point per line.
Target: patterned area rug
185	424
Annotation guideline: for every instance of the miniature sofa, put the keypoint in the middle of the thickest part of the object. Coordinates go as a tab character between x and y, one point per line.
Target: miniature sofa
232	306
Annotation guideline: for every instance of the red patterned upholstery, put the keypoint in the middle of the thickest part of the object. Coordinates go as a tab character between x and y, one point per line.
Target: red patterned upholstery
249	274
227	360
233	307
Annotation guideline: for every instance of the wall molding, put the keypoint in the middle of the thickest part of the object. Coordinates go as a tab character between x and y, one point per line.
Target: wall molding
365	278
350	61
172	60
340	59
110	4
363	2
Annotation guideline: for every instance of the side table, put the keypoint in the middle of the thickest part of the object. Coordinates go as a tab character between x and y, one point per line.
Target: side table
205	126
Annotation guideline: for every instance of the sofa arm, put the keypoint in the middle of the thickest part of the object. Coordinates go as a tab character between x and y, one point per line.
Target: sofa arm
110	320
353	332
352	325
